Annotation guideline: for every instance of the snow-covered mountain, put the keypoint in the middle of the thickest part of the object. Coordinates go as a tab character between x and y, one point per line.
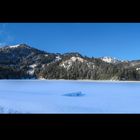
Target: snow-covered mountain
110	59
22	61
15	46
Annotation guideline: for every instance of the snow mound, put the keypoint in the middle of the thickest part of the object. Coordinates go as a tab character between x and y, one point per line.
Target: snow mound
74	94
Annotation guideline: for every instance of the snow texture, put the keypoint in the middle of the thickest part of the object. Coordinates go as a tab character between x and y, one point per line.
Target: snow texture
32	69
33	66
64	96
14	46
31	72
68	63
137	69
110	59
58	58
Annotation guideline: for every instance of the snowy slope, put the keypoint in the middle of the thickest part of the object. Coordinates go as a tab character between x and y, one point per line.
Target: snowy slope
14	46
110	59
60	96
68	63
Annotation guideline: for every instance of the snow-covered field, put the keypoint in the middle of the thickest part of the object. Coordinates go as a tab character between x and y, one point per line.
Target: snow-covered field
69	96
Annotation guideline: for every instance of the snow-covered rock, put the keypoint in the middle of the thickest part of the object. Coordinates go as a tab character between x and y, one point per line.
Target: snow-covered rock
58	58
110	59
137	69
31	72
33	65
68	63
77	58
32	69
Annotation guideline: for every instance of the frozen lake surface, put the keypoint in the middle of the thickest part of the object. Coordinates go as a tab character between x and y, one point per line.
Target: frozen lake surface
62	96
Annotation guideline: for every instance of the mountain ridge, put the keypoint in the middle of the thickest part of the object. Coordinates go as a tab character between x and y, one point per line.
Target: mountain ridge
66	53
22	61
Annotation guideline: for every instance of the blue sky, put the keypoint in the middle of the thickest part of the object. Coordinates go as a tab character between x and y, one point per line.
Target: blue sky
120	40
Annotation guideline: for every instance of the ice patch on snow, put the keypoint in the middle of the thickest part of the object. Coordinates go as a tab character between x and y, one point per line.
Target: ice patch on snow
74	94
32	69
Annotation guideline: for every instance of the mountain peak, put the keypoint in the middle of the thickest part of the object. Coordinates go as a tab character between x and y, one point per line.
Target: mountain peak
20	45
76	54
110	59
21	61
17	46
14	46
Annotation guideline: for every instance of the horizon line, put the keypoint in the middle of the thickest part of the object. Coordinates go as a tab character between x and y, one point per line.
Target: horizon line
72	52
